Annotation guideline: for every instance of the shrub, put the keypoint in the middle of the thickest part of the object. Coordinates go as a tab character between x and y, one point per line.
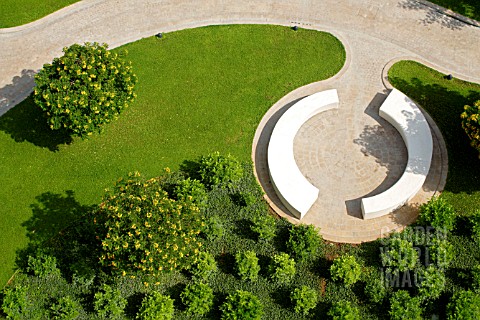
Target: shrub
216	169
404	307
264	225
282	269
109	303
375	289
66	308
16	304
247	265
156	306
244	198
476	278
471	124
242	305
437	213
343	310
304	299
198	298
42	265
464	305
441	252
347	269
475	221
84	89
191	190
304	241
399	255
432	283
204	266
141	229
213	228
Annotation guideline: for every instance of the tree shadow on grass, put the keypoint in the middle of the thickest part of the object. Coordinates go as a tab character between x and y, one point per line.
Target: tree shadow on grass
445	107
64	228
26	122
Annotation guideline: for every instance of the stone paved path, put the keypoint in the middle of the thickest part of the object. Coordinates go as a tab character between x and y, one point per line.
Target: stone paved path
348	152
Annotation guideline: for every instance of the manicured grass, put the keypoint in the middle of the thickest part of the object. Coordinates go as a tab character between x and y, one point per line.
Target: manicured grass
199	90
17	12
444	101
468	8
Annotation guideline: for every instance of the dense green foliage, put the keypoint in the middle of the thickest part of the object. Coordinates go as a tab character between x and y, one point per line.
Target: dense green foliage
432	283
264	226
84	89
109	303
304	299
404	307
65	308
219	170
304	241
441	252
185	108
475	221
399	254
156	306
376	289
282	268
476	278
204	266
438	214
343	310
346	269
142	229
242	305
198	298
42	265
468	8
16	304
471	124
465	305
247	265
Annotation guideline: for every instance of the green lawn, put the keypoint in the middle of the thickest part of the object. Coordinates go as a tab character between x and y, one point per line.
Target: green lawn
468	8
17	12
199	90
444	101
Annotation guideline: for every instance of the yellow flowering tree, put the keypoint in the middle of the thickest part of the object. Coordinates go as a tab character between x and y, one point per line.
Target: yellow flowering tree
471	124
142	229
84	89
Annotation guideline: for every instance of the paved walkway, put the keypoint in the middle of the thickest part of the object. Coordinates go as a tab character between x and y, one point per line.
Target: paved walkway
347	153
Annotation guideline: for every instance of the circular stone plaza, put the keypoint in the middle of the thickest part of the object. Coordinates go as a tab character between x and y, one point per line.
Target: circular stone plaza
347	153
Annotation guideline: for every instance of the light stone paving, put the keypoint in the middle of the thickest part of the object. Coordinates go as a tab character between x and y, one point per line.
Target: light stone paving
347	153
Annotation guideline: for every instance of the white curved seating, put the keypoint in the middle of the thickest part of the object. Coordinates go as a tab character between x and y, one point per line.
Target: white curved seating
293	189
407	118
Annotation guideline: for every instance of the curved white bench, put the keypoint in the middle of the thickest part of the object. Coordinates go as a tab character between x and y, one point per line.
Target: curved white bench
293	189
408	119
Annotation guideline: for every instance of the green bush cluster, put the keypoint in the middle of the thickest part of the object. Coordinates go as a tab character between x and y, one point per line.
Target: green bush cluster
242	305
204	266
432	283
346	269
343	310
247	265
264	225
109	303
142	229
213	228
282	269
304	299
464	305
198	298
476	278
219	170
441	252
42	265
475	221
156	306
304	241
66	308
438	214
404	307
376	289
85	88
398	255
471	124
191	190
16	304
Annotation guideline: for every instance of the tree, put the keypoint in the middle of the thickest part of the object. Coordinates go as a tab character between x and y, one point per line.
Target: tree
437	213
404	307
304	241
343	310
282	269
247	265
432	283
304	299
216	169
198	298
399	255
471	124
142	229
109	303
264	225
84	89
347	269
